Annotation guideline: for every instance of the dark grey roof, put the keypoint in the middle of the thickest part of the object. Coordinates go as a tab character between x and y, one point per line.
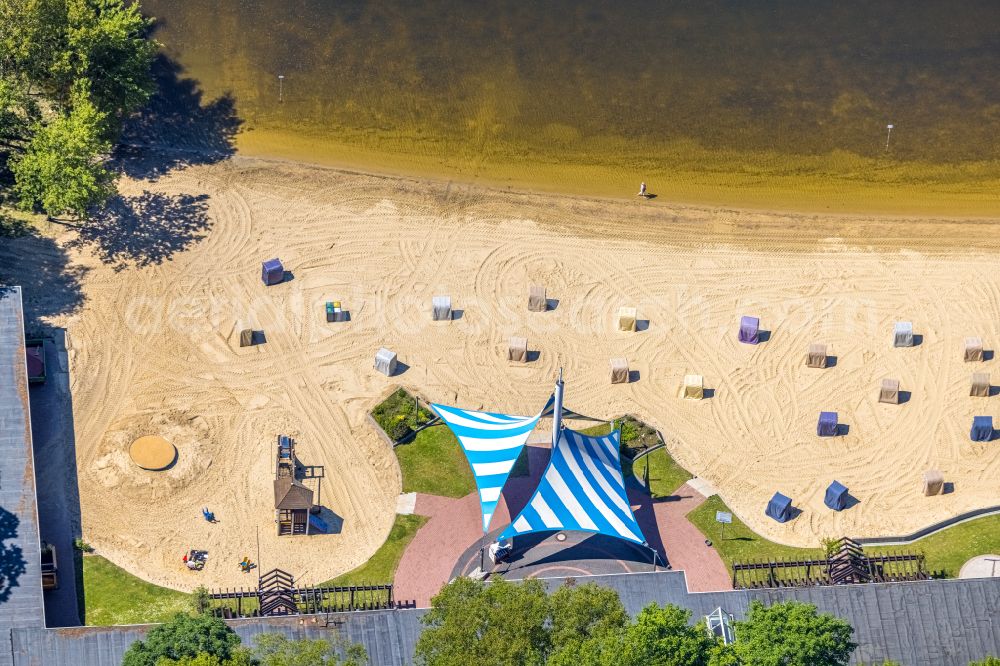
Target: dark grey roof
291	494
21	584
927	623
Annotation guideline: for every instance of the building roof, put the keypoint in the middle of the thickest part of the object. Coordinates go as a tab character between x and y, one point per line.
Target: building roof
291	494
923	623
21	603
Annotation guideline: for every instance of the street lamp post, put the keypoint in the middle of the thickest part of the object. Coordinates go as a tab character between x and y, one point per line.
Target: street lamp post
281	88
888	133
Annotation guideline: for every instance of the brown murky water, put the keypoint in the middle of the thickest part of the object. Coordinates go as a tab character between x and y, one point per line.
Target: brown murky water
744	98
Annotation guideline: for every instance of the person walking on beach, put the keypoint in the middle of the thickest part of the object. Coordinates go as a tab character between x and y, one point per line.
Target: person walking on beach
642	189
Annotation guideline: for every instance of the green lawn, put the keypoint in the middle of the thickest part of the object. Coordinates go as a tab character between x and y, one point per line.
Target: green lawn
741	543
114	596
381	568
665	475
598	430
948	550
945	551
433	463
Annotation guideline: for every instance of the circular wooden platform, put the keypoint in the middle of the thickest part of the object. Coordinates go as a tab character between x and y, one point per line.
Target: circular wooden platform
152	452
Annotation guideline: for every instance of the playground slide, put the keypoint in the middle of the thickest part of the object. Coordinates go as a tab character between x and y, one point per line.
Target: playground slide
317	524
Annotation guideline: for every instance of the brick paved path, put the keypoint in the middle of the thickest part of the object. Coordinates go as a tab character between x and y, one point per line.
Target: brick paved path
454	527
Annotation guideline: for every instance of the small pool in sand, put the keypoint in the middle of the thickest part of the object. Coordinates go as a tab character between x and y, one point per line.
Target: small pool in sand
152	452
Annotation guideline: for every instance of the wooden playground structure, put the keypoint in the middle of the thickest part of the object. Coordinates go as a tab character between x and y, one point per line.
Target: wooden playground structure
293	501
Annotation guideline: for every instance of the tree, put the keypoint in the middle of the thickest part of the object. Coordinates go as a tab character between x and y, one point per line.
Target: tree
59	44
279	650
185	637
989	661
18	113
62	169
517	623
200	599
241	657
585	611
71	71
662	635
471	622
586	625
791	634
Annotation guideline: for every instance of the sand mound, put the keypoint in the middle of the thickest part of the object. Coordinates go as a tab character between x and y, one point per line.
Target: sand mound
152	353
166	462
152	452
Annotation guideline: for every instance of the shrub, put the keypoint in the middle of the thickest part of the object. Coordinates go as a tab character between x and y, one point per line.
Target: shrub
185	636
636	436
399	414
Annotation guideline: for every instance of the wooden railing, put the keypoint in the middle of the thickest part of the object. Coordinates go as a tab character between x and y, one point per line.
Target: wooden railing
848	563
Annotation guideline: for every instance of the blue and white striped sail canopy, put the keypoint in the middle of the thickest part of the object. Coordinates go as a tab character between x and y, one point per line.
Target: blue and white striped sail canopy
582	489
492	443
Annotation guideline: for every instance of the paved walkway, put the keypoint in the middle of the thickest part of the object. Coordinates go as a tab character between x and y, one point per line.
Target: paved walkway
665	524
427	562
454	529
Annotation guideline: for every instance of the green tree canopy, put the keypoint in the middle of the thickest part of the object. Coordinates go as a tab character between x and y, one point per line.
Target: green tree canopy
57	44
659	635
586	625
240	657
62	170
279	650
791	634
71	71
500	623
184	637
989	661
662	635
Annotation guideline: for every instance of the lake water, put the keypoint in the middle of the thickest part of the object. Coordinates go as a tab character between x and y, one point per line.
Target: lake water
740	93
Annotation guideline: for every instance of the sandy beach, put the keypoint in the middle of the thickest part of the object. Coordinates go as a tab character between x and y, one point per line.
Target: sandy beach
155	350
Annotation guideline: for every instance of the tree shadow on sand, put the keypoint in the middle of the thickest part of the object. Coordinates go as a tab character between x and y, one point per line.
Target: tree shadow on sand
144	230
50	284
177	129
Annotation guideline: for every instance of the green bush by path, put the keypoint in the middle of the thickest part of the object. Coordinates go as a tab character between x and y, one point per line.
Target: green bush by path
433	463
114	596
636	435
741	543
381	567
400	414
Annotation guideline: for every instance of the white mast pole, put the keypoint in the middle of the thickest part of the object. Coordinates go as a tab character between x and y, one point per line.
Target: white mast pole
557	411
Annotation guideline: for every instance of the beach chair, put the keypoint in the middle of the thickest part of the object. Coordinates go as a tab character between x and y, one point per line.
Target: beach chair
779	508
816	356
272	272
619	371
827	426
749	333
836	496
902	335
982	429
